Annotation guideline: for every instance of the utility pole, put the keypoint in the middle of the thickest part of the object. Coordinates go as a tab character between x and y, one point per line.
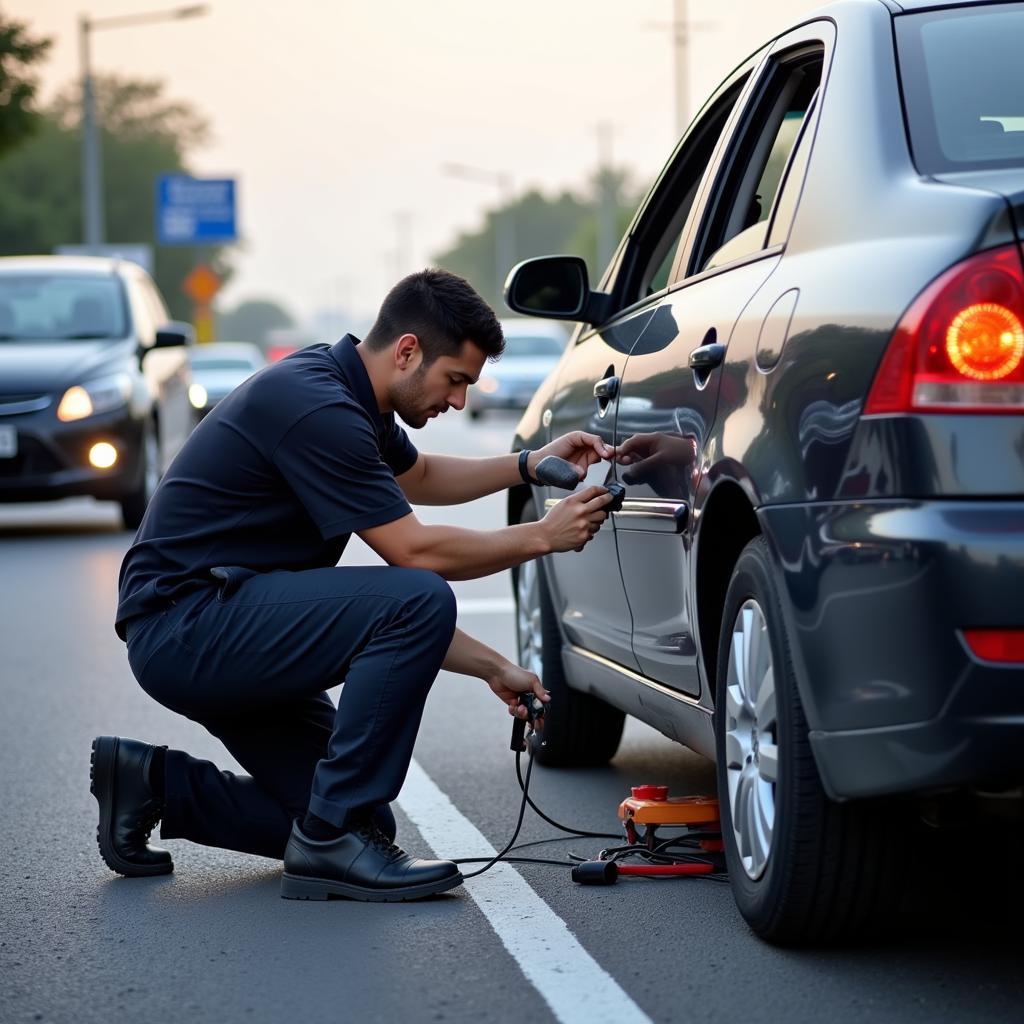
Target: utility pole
680	28
504	218
93	217
680	40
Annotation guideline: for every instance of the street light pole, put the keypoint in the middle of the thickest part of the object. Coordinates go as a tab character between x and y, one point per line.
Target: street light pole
93	219
504	219
92	186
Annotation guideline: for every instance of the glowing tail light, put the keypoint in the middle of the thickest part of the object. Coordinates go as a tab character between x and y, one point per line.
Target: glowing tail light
960	345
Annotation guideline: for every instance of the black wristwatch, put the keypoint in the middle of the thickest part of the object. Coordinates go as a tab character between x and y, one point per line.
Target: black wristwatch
524	471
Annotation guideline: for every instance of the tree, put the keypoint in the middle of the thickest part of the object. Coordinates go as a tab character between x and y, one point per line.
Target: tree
144	134
567	223
18	53
253	321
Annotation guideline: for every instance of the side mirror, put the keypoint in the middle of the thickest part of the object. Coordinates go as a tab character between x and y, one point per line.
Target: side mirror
555	287
174	334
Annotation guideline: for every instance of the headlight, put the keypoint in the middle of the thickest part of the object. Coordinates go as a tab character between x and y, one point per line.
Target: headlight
487	385
95	396
197	396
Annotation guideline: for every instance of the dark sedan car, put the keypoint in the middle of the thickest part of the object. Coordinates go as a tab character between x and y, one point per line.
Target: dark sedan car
93	382
809	350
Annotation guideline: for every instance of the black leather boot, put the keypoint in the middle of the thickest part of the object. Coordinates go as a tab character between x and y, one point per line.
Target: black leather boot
362	864
129	809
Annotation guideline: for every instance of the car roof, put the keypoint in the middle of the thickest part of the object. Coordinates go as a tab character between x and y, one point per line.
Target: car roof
924	5
61	264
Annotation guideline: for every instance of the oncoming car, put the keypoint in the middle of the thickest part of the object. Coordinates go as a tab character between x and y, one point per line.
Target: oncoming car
218	368
532	350
93	382
809	352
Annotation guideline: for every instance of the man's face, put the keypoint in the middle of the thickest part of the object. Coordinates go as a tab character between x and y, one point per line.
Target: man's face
423	392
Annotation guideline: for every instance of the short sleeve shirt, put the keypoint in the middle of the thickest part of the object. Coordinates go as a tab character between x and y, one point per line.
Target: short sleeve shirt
279	475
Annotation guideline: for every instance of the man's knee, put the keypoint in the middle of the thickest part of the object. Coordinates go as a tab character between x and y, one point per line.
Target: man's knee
431	595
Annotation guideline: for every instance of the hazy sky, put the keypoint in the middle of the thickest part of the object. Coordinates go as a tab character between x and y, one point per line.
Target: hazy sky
337	117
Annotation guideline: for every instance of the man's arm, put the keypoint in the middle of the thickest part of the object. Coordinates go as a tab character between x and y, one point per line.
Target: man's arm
451	479
470	657
458	554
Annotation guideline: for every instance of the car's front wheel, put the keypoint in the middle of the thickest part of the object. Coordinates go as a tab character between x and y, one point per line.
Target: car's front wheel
579	729
135	502
802	867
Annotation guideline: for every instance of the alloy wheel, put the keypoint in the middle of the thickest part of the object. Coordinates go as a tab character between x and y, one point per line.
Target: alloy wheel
529	632
751	738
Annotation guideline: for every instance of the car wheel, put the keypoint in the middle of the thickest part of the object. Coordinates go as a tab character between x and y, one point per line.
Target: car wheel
475	414
134	503
802	867
579	729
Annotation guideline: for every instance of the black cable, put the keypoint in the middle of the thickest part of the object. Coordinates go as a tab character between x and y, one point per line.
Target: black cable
657	854
519	823
551	821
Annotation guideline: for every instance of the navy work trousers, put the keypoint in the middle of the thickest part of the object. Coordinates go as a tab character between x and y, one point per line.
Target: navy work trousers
250	661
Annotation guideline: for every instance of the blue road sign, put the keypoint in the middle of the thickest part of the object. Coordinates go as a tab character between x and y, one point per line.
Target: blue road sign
195	211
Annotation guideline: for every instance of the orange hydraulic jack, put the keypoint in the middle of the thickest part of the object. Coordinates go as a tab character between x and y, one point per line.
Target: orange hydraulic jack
652	807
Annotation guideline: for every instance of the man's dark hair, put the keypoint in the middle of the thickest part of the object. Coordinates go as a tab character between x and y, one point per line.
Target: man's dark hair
443	310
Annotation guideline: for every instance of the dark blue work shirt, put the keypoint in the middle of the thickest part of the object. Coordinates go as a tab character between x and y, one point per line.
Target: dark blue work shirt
277	476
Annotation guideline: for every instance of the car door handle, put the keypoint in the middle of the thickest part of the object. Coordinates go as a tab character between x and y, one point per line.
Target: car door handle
707	357
606	389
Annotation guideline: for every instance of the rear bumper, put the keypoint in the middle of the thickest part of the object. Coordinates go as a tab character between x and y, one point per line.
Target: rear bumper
876	596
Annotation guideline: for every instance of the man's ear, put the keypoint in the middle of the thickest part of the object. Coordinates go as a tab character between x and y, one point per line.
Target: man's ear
406	349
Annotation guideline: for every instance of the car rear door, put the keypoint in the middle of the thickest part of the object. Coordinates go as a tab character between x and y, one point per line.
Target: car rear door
677	372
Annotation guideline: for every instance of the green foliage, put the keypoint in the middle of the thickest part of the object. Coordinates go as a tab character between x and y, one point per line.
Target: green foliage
568	223
18	53
253	321
143	135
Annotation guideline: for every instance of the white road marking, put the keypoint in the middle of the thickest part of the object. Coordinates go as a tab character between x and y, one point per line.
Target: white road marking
565	975
485	605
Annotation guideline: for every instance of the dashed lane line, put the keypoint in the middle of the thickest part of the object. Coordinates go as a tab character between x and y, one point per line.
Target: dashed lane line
576	988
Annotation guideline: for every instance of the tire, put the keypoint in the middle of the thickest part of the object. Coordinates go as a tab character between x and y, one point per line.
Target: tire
802	868
135	502
579	729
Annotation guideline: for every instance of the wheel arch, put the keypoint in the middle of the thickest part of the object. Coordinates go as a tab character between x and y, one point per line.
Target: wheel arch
725	524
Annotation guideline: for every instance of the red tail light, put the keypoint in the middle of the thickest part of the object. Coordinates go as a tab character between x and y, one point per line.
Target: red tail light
960	345
1004	645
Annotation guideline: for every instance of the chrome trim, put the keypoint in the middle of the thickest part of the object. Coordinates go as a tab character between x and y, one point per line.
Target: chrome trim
28	405
661	515
630	674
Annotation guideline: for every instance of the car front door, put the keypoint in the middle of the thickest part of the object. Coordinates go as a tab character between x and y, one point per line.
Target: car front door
677	373
587	587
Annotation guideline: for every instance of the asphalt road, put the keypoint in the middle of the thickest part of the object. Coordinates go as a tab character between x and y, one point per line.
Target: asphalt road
214	942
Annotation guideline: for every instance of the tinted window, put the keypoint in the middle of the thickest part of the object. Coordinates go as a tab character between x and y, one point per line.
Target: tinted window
739	222
963	87
649	268
61	307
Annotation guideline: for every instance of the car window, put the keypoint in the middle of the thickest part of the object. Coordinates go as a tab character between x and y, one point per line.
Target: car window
61	307
738	216
658	234
785	205
963	87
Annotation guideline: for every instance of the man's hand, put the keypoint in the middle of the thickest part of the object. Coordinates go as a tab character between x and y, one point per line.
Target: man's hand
570	524
582	450
510	681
